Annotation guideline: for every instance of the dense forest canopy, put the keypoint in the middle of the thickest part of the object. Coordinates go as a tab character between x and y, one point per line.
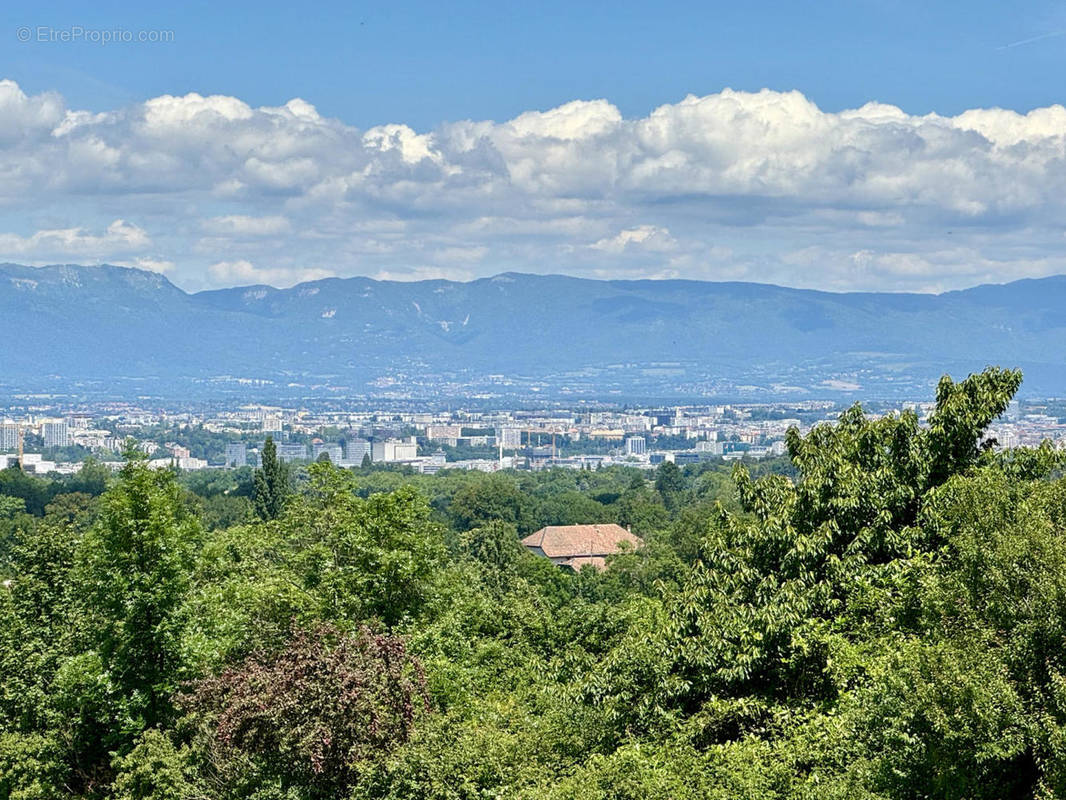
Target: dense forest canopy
882	614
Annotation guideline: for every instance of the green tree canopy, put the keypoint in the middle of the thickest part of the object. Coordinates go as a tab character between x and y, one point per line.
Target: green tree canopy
271	483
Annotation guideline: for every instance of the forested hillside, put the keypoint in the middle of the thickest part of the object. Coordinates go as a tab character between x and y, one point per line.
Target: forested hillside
880	615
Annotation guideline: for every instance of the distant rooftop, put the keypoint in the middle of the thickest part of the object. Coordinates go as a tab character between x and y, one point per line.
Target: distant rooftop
575	546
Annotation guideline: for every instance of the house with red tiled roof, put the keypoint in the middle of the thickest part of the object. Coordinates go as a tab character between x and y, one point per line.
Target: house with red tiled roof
574	546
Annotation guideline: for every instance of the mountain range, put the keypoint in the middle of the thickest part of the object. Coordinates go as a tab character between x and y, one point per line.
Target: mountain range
520	333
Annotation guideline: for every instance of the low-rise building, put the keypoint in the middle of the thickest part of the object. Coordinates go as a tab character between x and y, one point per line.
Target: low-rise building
436	433
392	450
715	448
576	546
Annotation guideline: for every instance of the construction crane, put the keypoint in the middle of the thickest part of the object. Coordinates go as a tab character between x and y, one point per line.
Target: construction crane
529	434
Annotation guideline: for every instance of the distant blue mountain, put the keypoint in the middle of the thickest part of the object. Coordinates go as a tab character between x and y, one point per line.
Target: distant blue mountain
521	333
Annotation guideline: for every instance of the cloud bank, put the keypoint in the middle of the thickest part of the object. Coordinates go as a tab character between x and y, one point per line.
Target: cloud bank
730	186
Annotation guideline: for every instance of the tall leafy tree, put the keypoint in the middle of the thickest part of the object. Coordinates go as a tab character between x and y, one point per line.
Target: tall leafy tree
494	498
271	483
363	558
135	566
761	610
669	483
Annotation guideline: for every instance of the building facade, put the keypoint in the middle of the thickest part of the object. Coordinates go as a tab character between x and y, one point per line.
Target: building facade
356	450
292	452
9	435
55	433
334	451
236	454
388	450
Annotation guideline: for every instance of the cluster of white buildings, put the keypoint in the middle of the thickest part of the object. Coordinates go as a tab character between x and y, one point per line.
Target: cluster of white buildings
175	456
429	441
36	463
55	432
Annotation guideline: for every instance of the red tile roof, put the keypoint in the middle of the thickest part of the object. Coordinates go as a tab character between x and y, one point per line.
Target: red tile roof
571	541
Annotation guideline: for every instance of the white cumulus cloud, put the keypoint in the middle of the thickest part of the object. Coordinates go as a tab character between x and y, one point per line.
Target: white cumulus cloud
244	225
643	237
229	273
217	185
119	237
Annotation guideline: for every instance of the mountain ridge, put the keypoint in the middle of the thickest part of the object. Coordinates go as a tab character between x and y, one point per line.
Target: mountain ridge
101	322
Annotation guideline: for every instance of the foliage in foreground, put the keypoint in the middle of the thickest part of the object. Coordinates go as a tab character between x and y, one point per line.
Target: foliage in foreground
888	620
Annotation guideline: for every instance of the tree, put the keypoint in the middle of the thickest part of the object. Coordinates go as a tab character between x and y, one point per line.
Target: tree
36	492
496	549
669	483
310	714
761	610
363	558
155	770
571	508
11	506
41	620
92	479
271	483
642	511
494	498
135	566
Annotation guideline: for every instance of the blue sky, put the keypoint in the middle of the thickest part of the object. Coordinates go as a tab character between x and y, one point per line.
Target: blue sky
444	184
428	62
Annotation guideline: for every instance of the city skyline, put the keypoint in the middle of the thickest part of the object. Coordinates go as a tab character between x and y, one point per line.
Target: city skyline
427	441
